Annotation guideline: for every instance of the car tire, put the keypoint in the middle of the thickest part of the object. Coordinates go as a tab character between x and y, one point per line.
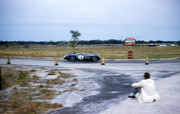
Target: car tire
94	59
72	58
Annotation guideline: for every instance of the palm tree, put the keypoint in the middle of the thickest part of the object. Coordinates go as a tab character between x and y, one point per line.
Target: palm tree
74	40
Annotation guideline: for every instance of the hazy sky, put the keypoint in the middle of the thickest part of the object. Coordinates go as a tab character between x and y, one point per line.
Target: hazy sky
52	20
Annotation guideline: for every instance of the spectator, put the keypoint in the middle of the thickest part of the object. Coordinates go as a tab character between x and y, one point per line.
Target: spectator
146	90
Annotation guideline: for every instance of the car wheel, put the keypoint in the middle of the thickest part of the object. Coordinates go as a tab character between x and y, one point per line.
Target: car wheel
94	59
72	58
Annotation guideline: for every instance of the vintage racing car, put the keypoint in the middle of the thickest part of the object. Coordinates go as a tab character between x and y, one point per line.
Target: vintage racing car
82	56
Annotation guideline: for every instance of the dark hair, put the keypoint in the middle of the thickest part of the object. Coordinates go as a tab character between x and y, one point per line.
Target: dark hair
146	75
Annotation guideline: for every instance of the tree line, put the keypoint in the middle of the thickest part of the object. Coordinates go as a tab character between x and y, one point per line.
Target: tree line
61	43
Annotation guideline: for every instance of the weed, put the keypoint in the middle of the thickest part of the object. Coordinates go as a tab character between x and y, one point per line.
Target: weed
22	75
32	70
64	69
47	94
56	105
68	90
73	84
75	79
12	77
82	90
65	75
41	86
35	77
15	89
48	82
52	73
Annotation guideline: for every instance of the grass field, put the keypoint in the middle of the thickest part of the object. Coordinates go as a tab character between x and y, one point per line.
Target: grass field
109	52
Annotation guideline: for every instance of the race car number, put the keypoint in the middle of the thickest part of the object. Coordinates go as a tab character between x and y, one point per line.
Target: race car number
80	57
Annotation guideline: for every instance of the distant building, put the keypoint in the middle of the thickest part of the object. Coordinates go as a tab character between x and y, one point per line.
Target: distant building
163	45
173	45
152	45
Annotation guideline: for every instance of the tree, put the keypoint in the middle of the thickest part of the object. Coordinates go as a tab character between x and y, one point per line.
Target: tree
74	40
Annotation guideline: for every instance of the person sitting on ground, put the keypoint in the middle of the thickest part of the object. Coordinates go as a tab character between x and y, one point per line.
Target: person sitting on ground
146	89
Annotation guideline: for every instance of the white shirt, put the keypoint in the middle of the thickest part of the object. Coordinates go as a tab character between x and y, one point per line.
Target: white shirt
148	91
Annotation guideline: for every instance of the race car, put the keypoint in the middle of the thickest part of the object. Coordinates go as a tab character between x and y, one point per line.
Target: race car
82	56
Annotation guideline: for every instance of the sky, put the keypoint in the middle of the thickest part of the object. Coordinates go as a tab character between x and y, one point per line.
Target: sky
52	20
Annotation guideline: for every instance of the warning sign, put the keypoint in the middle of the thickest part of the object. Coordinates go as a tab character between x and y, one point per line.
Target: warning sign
130	41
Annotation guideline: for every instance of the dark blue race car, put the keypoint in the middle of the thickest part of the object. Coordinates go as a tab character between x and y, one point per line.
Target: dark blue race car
82	56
